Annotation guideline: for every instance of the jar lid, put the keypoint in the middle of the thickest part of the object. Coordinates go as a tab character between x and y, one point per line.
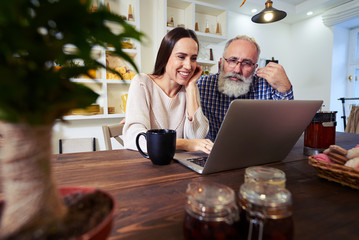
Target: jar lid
262	174
324	116
210	194
265	195
211	202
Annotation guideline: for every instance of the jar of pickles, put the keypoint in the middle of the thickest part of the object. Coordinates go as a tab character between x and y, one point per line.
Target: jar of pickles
211	212
266	212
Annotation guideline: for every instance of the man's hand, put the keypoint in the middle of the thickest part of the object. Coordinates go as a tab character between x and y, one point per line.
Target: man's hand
275	75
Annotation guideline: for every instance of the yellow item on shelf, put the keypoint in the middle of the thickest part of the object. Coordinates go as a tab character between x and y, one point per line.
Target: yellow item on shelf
126	45
125	73
121	70
132	75
56	68
92	73
90	110
124	102
130	15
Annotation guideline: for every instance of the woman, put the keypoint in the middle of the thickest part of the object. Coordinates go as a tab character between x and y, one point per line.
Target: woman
168	98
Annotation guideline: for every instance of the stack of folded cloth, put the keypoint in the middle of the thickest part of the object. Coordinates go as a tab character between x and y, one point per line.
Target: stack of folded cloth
339	155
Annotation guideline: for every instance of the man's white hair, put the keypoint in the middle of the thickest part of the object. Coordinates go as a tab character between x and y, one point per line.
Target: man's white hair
243	37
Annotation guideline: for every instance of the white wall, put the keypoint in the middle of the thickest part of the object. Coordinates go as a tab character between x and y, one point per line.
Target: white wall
312	44
274	38
341	42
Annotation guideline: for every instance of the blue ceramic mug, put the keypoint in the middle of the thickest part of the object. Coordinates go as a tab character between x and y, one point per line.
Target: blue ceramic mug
161	145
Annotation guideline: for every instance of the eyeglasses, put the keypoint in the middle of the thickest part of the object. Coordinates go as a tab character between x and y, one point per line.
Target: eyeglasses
233	62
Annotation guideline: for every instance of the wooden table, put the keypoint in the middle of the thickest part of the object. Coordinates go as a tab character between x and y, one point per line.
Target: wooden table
150	199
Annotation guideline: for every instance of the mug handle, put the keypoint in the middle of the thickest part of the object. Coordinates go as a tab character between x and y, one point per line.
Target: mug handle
138	145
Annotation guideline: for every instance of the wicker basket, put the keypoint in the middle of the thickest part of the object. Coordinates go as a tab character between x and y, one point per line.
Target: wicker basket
344	175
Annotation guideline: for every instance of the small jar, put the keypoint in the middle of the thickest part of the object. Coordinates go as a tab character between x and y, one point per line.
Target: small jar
320	133
266	212
262	174
211	212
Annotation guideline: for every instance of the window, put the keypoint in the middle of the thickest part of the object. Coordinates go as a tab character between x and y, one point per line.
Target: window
353	64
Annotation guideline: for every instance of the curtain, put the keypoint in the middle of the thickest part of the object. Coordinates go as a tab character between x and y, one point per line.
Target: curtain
353	120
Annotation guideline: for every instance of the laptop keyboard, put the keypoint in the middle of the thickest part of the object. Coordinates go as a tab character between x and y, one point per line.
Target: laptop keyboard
201	161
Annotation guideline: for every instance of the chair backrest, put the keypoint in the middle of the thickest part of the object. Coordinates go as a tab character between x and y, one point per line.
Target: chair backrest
73	145
112	131
1	140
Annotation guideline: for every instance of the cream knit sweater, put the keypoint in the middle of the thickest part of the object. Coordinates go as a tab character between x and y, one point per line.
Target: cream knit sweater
148	107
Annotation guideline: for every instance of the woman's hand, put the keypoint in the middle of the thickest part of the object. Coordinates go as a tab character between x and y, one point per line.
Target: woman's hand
193	145
191	92
192	82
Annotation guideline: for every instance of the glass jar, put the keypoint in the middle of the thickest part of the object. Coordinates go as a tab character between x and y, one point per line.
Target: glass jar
211	212
320	133
262	174
266	212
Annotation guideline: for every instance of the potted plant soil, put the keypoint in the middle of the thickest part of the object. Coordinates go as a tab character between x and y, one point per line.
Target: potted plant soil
33	95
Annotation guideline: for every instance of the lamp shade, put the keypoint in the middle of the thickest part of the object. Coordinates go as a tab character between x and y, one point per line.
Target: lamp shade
269	14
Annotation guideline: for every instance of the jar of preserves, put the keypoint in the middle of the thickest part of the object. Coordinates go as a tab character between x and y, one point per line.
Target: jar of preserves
320	133
211	212
263	174
266	212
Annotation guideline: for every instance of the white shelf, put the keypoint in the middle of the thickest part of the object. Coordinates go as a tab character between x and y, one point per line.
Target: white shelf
95	116
111	90
86	80
206	62
189	12
209	37
117	81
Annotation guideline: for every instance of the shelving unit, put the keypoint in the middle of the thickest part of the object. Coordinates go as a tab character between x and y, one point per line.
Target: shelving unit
190	13
111	90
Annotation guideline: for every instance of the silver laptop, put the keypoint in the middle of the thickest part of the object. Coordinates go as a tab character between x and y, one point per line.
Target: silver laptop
254	132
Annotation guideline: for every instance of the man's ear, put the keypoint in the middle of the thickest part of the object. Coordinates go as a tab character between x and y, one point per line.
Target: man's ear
219	64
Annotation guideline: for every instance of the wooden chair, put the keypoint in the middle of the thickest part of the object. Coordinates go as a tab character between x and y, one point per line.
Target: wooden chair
73	145
112	131
1	140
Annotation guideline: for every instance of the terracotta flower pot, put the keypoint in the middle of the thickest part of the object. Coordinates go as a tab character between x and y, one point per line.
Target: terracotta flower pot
103	229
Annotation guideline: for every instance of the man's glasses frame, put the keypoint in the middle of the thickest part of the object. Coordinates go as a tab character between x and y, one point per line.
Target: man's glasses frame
233	62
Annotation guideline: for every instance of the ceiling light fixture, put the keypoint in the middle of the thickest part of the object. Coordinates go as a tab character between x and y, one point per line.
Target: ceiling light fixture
269	14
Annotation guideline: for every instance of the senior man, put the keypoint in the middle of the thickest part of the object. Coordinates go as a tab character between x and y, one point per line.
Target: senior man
237	79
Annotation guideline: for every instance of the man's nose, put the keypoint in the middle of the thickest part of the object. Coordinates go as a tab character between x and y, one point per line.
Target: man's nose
238	68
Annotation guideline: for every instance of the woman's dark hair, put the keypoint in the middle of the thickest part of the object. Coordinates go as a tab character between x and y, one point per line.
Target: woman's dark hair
167	45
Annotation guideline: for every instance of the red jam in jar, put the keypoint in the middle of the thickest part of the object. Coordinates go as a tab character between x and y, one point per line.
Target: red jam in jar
266	212
211	212
320	133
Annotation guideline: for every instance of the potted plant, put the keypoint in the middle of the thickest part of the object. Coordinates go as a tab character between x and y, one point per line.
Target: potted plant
33	95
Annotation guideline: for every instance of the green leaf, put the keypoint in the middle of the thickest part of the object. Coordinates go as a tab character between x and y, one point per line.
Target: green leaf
31	90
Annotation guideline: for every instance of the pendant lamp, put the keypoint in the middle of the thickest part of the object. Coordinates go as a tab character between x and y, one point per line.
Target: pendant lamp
269	14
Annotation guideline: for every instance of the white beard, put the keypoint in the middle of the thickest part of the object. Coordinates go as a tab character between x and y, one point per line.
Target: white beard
233	88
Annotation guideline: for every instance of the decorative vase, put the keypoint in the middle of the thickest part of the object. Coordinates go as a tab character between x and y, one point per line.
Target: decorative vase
103	229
